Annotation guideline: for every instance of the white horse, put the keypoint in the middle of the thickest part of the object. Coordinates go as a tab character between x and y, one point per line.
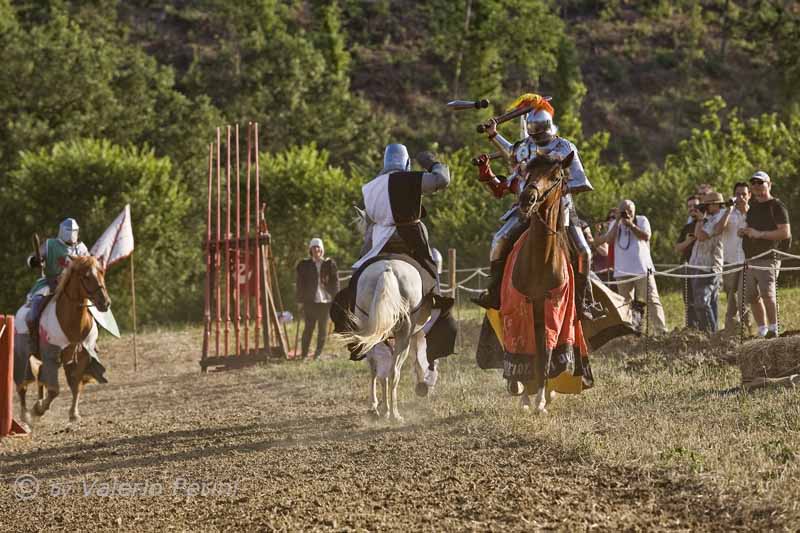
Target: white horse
390	307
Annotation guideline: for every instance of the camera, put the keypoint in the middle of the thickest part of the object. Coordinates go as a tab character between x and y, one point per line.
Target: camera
624	214
702	207
730	202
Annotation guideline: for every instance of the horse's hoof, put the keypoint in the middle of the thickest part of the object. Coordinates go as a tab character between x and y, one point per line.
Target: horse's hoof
37	409
551	396
515	388
75	419
397	418
421	390
373	413
540	411
26	417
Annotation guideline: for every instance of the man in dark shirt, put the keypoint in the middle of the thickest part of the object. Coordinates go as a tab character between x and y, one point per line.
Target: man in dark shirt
767	226
684	247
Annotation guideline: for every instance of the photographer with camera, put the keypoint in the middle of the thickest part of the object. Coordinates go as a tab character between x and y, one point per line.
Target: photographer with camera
684	247
706	258
767	229
733	254
602	255
630	235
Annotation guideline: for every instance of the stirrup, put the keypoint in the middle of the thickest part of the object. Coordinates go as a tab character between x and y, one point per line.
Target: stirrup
593	311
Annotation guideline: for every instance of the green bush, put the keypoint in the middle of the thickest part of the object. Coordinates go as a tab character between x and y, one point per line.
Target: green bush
91	181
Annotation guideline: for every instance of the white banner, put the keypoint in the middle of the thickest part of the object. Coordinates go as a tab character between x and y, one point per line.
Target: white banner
116	243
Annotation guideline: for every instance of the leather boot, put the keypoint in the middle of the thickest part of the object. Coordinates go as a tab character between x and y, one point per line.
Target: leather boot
490	298
33	337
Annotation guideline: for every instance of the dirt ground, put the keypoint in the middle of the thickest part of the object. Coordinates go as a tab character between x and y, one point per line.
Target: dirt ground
288	446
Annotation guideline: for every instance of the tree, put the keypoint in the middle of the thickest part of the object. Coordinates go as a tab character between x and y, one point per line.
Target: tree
308	197
62	81
267	66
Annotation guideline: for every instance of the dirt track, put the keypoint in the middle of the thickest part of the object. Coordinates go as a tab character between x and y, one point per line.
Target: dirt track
289	447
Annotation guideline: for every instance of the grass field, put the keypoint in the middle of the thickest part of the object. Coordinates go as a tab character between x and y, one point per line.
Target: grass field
664	441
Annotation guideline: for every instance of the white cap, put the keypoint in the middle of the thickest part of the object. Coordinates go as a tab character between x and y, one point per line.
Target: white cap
761	175
316	241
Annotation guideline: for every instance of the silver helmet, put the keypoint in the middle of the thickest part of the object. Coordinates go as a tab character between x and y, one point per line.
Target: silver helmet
541	127
395	157
437	258
68	231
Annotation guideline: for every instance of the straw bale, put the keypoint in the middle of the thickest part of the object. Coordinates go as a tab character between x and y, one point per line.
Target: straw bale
773	358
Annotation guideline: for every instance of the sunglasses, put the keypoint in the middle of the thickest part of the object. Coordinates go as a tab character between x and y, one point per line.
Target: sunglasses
757	182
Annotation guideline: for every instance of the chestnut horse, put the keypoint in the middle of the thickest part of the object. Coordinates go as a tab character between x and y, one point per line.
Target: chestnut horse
67	337
543	285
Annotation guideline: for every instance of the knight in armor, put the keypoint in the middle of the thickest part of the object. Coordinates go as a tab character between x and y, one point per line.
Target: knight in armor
52	258
393	205
539	138
394	212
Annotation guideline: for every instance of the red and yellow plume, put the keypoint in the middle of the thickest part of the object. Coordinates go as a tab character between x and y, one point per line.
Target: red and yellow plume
532	99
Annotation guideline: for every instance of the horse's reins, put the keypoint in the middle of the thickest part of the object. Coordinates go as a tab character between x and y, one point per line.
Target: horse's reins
89	294
100	287
543	197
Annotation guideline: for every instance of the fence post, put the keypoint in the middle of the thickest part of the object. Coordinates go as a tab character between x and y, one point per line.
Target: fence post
776	270
742	302
451	259
647	304
6	373
686	301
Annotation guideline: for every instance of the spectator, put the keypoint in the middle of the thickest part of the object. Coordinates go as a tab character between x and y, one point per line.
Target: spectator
684	247
317	283
767	229
706	259
733	254
602	259
630	235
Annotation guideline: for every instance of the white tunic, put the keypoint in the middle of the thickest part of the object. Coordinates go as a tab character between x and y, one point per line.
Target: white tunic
379	209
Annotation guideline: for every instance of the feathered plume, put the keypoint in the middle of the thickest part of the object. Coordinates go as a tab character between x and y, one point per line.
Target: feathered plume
532	99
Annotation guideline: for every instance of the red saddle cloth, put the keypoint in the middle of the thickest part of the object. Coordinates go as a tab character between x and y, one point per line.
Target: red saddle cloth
568	370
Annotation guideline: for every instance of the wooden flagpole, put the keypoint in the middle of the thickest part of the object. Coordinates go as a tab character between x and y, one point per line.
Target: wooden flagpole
133	312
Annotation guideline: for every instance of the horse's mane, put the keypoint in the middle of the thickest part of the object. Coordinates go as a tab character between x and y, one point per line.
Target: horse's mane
541	163
76	263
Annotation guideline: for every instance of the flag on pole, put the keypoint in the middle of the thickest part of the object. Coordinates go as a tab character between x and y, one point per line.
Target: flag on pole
116	243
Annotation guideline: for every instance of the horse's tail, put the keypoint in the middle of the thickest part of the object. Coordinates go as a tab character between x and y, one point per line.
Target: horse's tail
387	309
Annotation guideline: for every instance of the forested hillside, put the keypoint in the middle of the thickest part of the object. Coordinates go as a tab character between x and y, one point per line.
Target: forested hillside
105	102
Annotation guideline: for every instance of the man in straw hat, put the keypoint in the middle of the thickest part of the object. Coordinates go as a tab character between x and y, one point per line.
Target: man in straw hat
706	259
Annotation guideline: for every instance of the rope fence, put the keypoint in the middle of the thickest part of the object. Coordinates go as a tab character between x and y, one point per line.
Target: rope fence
670	271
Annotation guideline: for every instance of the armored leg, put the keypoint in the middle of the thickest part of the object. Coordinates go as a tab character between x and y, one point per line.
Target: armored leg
502	243
584	297
38	303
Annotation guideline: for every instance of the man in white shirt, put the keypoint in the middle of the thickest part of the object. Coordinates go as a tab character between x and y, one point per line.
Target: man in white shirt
630	235
733	254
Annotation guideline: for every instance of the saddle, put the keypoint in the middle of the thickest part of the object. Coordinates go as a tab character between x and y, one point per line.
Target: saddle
344	306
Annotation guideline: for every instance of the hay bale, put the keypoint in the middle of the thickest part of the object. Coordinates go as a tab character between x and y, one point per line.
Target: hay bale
764	359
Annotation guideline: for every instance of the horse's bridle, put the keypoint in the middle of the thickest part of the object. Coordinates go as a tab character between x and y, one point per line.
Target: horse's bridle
540	198
90	294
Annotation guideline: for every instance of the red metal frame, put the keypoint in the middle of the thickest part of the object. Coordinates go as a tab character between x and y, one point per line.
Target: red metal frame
228	255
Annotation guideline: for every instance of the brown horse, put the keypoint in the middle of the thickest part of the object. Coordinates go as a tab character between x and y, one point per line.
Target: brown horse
543	286
68	334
